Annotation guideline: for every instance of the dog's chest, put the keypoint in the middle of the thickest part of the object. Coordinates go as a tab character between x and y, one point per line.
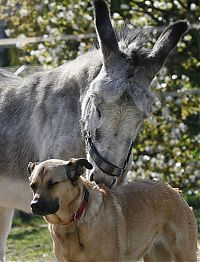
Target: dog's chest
80	245
68	244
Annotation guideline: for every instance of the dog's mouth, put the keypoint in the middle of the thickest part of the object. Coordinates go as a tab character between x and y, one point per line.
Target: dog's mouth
42	207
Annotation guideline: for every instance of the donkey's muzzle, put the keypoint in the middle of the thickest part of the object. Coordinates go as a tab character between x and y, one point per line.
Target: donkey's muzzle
102	179
43	207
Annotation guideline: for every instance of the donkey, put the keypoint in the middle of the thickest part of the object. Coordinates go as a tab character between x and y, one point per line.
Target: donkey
93	106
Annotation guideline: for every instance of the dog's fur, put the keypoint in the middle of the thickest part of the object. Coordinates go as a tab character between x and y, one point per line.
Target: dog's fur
142	219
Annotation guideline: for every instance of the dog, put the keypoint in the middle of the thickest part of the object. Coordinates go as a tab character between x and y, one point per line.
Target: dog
90	222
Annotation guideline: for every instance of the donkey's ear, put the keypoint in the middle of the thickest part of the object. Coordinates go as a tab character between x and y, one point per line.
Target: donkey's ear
166	43
31	167
105	32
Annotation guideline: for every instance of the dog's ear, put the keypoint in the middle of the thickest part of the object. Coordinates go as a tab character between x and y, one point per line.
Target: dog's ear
82	162
31	167
74	168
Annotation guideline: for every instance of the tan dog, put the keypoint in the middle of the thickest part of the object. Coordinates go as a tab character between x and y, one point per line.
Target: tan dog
91	223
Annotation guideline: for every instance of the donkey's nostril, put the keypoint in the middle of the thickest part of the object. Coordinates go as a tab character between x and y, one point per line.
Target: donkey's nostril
113	182
92	177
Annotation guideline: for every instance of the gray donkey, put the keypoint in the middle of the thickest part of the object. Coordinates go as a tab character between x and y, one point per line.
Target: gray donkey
93	106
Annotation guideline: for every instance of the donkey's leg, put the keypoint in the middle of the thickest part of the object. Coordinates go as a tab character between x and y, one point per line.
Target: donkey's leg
6	215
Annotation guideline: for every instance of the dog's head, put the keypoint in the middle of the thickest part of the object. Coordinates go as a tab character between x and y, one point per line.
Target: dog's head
54	181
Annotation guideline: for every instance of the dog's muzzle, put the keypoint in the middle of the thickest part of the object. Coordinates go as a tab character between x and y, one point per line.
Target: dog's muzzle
42	207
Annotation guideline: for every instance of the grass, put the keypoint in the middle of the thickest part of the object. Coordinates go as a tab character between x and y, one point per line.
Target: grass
32	242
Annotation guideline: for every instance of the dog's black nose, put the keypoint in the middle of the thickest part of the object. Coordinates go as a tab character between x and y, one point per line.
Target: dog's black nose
43	207
38	206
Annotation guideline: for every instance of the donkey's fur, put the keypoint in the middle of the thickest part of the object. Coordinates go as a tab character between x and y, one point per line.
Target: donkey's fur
107	89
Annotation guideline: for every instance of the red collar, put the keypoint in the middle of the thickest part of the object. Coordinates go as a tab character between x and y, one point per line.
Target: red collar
82	208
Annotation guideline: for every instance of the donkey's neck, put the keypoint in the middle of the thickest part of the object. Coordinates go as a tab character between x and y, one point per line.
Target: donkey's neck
83	70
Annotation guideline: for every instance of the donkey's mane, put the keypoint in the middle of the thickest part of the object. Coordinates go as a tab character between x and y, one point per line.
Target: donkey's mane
134	39
129	36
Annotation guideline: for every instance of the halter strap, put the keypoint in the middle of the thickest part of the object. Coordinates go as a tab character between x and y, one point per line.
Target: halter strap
103	164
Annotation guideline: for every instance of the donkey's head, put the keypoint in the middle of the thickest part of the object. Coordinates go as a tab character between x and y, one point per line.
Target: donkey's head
119	98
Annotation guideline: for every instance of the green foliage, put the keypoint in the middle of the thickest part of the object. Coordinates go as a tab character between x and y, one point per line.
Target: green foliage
168	146
194	201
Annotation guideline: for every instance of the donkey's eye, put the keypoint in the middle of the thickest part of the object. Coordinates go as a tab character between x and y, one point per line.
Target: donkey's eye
98	112
129	75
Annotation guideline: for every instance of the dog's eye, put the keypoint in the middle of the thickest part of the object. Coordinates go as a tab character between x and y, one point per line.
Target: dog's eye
51	183
33	186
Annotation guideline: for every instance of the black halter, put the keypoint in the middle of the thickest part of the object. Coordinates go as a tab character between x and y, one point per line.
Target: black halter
103	164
